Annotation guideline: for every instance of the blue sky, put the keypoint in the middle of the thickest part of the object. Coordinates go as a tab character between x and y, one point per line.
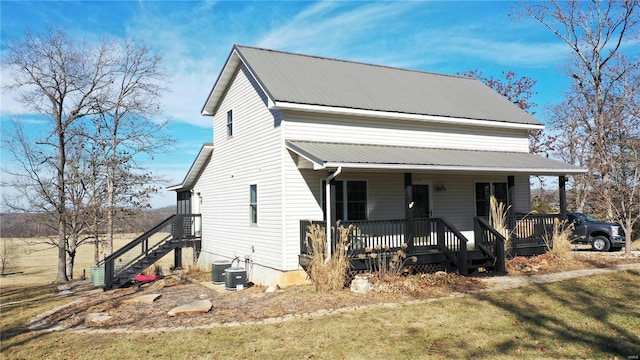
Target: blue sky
195	38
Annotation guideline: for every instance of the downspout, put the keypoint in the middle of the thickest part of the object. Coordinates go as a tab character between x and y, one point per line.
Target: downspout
327	197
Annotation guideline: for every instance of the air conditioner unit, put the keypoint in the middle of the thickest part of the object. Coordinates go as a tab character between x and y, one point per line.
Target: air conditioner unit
217	271
236	278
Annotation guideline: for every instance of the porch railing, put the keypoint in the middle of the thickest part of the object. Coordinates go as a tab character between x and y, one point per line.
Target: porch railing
453	244
418	236
531	230
490	242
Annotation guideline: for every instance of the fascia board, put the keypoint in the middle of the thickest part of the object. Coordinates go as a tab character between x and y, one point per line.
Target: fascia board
532	171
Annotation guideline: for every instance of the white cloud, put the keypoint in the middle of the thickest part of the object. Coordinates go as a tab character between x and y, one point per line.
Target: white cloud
465	43
334	25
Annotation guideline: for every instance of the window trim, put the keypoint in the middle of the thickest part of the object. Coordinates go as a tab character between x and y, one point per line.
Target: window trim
344	200
230	123
491	193
253	204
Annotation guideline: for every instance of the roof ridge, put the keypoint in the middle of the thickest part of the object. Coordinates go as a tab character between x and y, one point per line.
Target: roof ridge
354	62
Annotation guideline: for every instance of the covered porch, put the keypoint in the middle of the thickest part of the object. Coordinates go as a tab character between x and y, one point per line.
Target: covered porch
441	197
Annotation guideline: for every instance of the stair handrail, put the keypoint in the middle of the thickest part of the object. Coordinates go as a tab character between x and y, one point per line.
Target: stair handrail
497	251
109	268
130	245
461	260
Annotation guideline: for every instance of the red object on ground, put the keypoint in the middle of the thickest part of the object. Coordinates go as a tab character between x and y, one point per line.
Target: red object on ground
146	278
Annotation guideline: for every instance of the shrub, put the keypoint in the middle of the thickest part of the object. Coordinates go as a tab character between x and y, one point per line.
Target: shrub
559	246
382	261
498	219
328	274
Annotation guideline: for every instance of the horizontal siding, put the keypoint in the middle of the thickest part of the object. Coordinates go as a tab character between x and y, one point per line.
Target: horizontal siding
302	199
251	156
403	133
523	194
385	198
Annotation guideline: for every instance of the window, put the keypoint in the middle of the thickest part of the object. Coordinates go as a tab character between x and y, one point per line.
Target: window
253	203
352	203
230	123
483	196
356	200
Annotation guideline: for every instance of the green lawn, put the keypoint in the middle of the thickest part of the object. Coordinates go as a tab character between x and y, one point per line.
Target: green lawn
592	317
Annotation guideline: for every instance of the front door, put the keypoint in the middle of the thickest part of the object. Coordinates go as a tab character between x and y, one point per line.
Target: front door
421	208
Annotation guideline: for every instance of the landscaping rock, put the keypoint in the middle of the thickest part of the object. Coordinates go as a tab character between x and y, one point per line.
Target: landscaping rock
142	299
196	307
97	318
360	284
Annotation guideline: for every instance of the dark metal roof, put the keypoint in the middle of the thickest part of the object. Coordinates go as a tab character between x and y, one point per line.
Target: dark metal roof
311	80
333	155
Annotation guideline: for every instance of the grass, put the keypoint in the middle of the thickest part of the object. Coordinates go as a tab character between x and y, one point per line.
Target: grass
37	264
591	317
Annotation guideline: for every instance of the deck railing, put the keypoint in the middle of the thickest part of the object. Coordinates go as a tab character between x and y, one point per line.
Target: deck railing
418	236
531	231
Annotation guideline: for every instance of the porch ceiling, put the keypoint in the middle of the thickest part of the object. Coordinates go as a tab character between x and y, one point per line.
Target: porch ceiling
357	156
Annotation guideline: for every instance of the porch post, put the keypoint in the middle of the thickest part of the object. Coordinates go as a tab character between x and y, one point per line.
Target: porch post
177	258
511	196
562	182
408	210
178	235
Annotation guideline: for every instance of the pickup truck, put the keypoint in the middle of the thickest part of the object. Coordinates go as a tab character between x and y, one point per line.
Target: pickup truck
601	236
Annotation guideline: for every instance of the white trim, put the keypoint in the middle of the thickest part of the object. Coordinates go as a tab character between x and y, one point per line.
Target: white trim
251	223
402	116
449	168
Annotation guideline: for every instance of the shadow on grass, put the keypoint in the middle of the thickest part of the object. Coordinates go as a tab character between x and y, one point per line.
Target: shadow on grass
576	312
19	304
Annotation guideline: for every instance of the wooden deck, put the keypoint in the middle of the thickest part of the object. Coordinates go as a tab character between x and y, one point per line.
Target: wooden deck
436	244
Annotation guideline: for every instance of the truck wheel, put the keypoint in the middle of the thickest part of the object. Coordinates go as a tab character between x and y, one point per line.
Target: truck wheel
600	243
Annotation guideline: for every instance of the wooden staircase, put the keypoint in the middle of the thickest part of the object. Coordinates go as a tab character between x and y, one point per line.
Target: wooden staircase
172	234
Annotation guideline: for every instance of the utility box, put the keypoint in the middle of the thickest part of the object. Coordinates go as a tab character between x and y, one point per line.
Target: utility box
97	275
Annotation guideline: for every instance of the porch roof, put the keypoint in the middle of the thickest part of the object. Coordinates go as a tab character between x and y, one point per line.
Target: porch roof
325	155
196	169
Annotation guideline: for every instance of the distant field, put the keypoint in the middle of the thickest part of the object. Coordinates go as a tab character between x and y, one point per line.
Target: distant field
37	264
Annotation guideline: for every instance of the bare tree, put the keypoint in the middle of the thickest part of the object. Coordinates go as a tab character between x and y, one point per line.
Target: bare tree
518	90
126	129
60	79
9	254
71	84
599	117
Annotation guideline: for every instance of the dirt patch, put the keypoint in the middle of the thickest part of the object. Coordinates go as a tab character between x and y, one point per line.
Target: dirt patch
254	303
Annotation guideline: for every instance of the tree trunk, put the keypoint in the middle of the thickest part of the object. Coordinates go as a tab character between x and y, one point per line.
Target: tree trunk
628	232
62	242
70	263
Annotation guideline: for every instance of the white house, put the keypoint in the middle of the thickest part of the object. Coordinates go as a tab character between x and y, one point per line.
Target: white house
286	123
